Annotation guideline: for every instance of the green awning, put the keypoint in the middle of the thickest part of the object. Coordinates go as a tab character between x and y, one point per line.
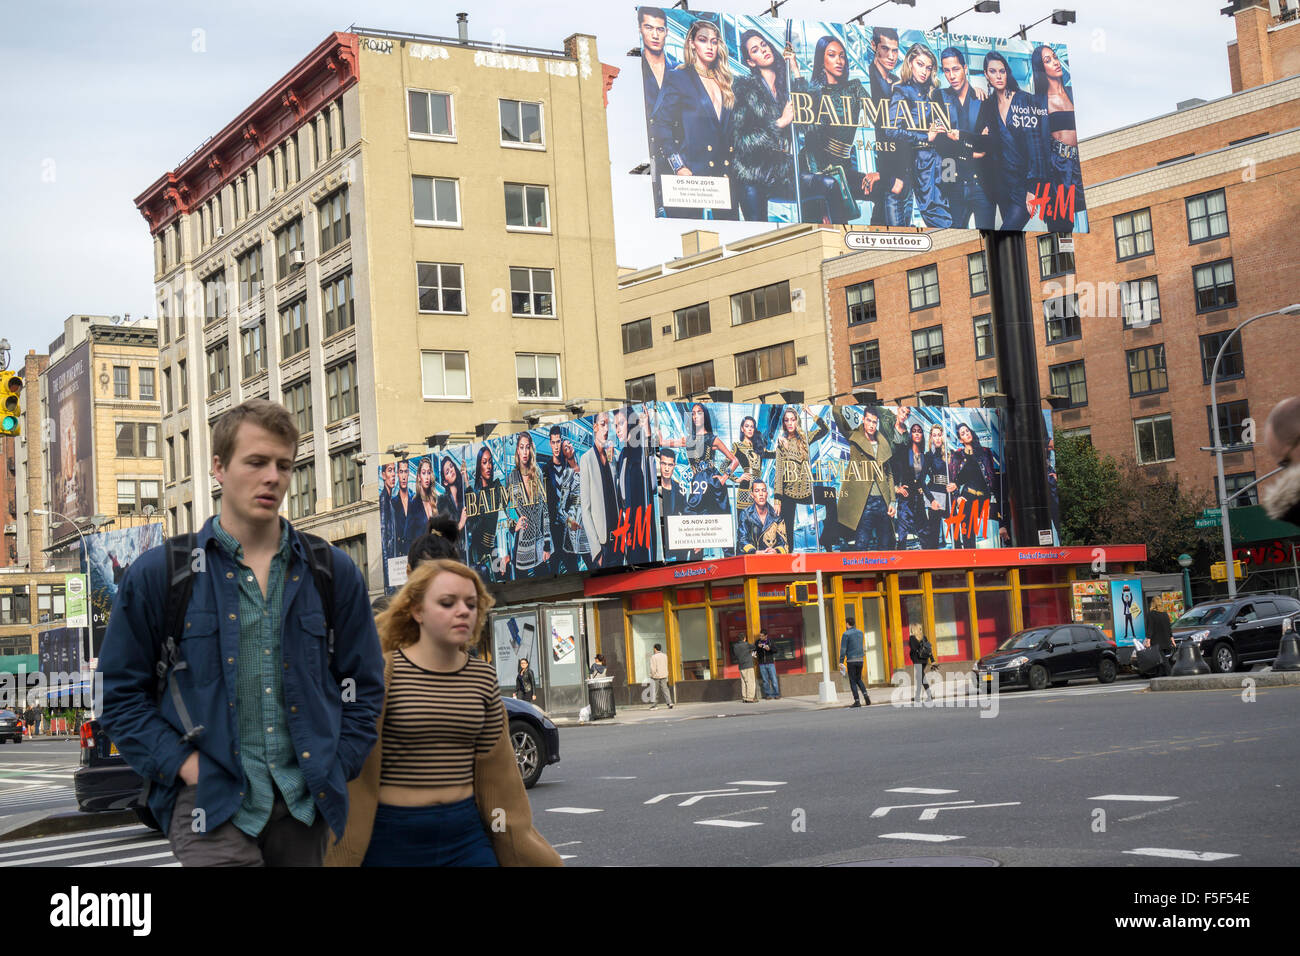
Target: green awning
1251	524
13	663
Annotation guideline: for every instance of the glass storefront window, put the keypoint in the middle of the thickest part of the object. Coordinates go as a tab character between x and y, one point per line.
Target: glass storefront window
993	618
909	582
912	611
730	624
948	579
951	638
812	639
647	631
1044	575
693	630
1045	606
992	579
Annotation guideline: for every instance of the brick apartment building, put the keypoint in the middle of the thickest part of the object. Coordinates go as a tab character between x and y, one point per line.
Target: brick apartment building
1190	218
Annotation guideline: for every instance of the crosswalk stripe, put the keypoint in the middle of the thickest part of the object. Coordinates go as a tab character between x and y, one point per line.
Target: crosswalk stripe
72	856
127	861
65	846
135	829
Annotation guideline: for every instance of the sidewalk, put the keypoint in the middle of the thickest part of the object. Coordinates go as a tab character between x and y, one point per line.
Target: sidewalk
641	713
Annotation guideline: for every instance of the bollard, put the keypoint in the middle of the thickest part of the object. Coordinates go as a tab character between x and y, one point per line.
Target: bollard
1288	653
1189	662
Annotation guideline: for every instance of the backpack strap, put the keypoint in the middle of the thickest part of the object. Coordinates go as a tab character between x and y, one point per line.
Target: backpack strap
180	587
320	556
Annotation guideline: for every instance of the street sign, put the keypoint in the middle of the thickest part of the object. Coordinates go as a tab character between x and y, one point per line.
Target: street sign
1207	522
1212	513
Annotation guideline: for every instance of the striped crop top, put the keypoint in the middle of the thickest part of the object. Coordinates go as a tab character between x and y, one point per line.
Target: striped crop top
436	723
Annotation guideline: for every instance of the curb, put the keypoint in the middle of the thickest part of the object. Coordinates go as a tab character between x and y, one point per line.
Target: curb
65	822
1228	681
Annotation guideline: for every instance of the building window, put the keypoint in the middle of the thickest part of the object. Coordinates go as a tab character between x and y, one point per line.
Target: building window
164	323
1052	261
341	390
15	605
984	347
134	496
440	286
1141	302
761	365
430	114
521	124
760	303
171	459
694	379
184	383
146	376
335	218
538	375
1146	370
640	389
167	390
293	329
1154	439
988	386
355	548
691	321
1069	380
302	492
1207	216
978	269
218	369
1062	314
121	381
252	343
185	452
345	477
865	361
437	201
137	440
178	307
297	399
526	207
637	336
923	287
1232	422
532	292
927	348
933	397
445	374
189	515
1233	363
861	301
250	274
1133	235
289	249
214	301
1234	483
336	304
51	603
1215	286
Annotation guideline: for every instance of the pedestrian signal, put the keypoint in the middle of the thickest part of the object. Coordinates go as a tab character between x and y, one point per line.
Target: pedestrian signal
11	406
799	593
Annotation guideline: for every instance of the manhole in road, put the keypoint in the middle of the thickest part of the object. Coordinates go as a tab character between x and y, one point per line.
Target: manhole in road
923	861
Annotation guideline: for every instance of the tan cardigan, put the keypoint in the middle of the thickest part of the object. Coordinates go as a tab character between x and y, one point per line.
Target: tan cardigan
497	787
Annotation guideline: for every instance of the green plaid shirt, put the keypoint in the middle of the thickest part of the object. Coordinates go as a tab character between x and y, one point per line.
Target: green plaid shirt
266	751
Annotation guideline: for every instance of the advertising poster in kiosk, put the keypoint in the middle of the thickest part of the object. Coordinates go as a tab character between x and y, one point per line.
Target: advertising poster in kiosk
1130	621
769	120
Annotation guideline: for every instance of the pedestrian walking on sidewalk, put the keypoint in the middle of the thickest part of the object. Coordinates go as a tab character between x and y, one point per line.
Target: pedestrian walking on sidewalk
525	687
743	652
767	665
659	679
852	655
922	654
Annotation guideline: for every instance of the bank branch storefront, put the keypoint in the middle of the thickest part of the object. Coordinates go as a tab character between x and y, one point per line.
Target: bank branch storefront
966	600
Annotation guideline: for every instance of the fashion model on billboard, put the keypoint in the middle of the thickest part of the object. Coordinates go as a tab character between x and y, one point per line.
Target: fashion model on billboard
387	502
690	129
633	482
794	479
913	498
761	127
656	61
1013	122
599	488
917	92
750	450
403	505
965	194
672	501
936	485
553	471
762	531
891	159
489	495
708	493
532	527
976	482
867	499
452	501
1052	86
572	544
425	505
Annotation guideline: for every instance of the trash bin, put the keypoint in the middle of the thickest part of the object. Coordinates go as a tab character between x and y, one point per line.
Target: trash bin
600	695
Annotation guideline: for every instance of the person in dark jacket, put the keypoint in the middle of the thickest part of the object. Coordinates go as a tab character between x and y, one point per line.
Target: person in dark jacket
762	530
656	63
891	163
852	657
489	498
525	688
743	653
452	501
761	127
964	192
922	654
917	93
766	655
1011	123
632	477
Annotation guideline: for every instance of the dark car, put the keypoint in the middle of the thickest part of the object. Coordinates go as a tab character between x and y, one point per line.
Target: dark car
105	781
1055	654
1233	633
11	727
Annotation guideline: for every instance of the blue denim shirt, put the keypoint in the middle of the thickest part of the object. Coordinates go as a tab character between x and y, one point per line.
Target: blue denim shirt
332	710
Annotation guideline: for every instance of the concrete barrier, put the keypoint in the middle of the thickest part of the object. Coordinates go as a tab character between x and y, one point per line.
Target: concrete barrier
1228	681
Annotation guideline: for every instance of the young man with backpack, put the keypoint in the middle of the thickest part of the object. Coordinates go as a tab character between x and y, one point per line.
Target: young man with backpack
241	668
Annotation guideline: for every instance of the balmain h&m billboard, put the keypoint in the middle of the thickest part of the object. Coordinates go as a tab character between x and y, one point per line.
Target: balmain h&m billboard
770	120
677	482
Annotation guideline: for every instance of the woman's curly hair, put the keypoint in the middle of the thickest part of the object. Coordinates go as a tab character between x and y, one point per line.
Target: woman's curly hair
398	626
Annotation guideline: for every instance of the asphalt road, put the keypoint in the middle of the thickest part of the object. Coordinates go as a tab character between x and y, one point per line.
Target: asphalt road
37	775
1087	776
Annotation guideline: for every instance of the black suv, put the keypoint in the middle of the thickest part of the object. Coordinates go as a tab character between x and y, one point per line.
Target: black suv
11	727
1244	630
1054	655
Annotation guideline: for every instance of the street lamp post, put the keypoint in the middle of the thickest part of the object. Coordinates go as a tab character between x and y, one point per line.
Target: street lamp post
1185	562
1293	310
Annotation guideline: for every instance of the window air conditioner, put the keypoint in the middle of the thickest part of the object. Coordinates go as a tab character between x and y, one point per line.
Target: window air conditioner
298	258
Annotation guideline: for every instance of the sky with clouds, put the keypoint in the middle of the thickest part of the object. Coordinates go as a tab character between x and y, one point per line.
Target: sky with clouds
103	98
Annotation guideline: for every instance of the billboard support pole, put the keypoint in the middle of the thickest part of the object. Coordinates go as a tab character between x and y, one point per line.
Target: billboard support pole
826	693
1028	512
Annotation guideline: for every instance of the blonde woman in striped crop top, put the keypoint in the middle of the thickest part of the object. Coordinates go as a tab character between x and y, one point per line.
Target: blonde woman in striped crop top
441	787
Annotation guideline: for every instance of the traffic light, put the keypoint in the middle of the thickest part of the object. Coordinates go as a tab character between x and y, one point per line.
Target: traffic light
799	593
11	390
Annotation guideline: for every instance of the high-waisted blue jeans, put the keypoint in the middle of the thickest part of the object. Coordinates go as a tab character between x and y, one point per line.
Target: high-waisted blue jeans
449	834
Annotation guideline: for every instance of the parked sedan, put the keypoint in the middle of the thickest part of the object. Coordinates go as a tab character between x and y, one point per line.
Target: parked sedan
1246	630
11	727
1056	655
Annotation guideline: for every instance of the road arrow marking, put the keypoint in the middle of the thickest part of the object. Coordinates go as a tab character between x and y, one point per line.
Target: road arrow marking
1139	797
727	823
882	811
691	801
755	783
687	793
573	810
616	778
923	790
934	812
1203	857
925	837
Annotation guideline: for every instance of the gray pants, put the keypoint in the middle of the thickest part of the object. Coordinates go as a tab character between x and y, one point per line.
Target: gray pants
661	688
283	841
921	682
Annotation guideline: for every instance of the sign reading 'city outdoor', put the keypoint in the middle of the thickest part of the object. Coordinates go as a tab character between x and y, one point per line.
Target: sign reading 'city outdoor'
679	482
769	120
